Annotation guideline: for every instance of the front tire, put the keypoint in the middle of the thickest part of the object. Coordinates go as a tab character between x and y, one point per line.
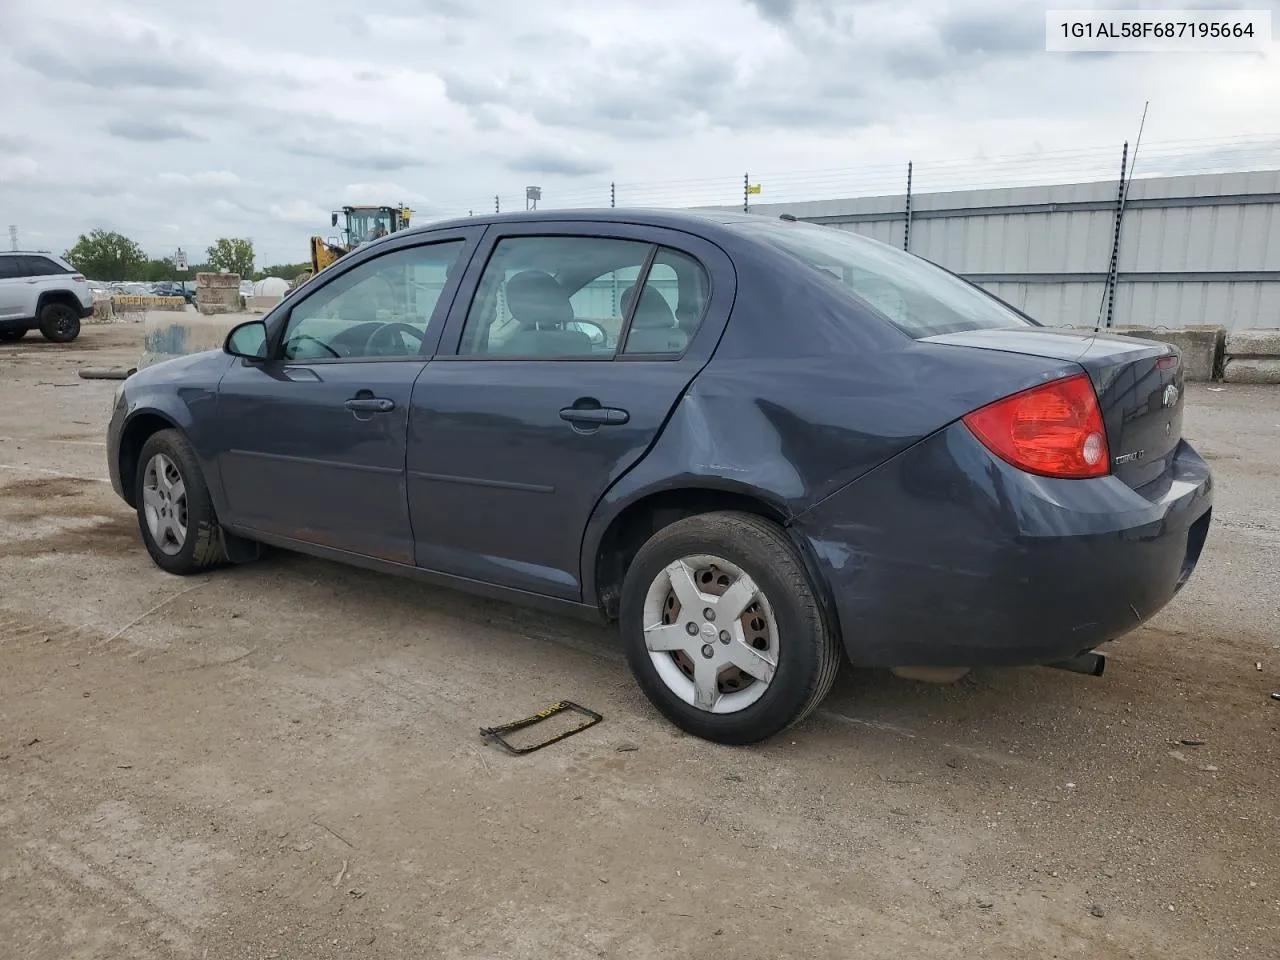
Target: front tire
175	513
723	630
59	323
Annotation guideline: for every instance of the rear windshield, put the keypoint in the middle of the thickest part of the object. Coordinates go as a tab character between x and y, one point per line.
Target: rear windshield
919	298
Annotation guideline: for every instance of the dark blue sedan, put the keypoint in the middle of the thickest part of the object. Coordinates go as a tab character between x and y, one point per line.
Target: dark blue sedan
760	445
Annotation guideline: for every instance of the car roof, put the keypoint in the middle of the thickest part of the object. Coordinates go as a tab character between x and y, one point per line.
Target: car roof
689	220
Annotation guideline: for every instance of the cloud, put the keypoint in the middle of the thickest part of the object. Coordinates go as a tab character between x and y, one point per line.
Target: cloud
300	211
382	194
242	119
549	161
148	131
17	169
355	151
205	178
142	59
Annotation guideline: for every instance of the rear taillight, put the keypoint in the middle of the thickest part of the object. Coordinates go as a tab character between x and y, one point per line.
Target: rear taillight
1054	430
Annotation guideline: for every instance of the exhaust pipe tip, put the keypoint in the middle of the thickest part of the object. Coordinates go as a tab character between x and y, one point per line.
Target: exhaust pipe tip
1091	664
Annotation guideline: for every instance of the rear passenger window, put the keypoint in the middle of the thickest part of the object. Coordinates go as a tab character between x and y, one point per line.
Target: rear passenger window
554	296
670	308
43	267
11	268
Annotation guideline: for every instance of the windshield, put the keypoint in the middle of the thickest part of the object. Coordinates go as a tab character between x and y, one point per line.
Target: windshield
368	224
919	298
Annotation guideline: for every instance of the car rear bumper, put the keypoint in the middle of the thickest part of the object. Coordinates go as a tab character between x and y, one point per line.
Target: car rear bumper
948	556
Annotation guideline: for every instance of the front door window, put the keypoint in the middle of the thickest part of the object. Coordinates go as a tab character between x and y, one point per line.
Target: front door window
382	308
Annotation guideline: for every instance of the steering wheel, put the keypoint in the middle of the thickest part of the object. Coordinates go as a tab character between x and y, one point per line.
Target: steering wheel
380	342
298	338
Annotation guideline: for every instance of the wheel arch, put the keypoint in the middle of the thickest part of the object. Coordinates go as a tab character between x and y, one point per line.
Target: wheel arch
65	297
614	536
137	430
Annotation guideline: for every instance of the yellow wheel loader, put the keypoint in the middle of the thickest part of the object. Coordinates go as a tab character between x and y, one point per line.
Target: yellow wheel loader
360	224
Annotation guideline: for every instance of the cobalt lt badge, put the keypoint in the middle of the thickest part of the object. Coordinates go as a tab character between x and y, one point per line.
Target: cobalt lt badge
1170	395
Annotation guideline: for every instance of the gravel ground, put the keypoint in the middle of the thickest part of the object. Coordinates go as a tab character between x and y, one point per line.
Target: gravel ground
282	760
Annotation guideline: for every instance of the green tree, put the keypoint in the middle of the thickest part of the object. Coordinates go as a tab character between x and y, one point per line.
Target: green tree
285	271
163	269
235	254
102	255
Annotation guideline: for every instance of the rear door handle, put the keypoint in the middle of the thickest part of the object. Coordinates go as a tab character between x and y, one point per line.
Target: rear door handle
370	405
597	415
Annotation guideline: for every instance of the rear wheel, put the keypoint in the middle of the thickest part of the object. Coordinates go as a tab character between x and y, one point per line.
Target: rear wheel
723	630
59	323
7	336
175	514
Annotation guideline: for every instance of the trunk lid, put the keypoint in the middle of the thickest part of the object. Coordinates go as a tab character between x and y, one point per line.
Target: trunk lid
1139	385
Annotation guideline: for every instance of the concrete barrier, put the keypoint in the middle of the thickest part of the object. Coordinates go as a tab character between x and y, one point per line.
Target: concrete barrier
166	336
1252	356
218	293
103	311
261	304
1202	348
124	304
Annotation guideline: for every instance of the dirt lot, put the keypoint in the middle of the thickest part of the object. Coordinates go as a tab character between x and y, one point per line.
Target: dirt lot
282	760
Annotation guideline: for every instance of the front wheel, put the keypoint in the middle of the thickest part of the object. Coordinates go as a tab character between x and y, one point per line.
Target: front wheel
723	629
175	514
59	323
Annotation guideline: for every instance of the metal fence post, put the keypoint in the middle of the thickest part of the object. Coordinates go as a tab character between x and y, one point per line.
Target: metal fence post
1112	270
906	233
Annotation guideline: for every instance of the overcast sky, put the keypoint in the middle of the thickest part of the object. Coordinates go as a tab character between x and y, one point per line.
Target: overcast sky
177	122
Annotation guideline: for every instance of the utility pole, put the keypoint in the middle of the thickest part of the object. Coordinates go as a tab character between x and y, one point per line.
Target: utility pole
495	204
746	193
13	237
613	194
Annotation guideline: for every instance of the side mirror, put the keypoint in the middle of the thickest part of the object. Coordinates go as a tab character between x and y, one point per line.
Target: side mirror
247	341
333	220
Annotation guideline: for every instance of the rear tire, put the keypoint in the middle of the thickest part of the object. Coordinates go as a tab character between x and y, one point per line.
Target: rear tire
59	323
175	513
8	336
765	617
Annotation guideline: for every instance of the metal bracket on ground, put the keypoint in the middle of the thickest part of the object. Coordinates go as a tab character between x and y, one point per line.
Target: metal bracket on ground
496	733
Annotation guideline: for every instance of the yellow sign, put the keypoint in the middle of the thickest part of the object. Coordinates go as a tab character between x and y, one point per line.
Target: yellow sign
753	188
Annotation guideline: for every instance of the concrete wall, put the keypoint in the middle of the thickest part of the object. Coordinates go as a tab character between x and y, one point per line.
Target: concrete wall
168	335
1194	251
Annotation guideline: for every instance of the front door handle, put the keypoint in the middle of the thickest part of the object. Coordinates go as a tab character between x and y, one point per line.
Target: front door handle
595	415
370	405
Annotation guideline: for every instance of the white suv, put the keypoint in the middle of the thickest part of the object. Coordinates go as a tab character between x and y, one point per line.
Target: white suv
39	291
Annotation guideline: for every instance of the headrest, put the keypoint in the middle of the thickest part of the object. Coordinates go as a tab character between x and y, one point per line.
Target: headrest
652	310
536	299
